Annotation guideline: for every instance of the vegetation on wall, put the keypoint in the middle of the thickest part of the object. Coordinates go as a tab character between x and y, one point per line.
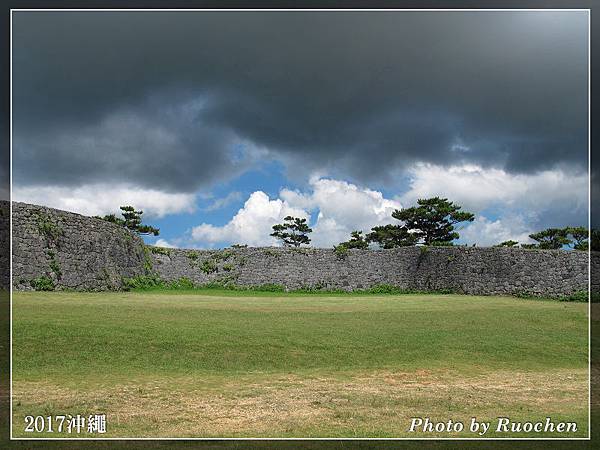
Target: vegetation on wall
153	282
54	265
132	220
208	266
509	243
148	266
340	251
50	229
192	256
160	250
223	255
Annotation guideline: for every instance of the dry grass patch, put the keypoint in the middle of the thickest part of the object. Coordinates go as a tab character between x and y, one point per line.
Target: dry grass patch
371	404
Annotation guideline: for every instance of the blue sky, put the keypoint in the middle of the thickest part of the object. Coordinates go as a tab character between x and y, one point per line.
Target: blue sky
269	177
337	117
324	200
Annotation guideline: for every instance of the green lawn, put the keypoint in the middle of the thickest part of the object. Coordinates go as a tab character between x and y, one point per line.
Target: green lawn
247	364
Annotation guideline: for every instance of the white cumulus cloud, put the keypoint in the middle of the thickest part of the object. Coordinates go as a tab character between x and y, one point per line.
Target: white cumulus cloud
100	199
523	203
342	207
485	232
477	188
252	223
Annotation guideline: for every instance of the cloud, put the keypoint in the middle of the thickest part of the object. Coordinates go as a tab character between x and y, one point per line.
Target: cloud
219	203
100	199
486	108
341	207
522	204
251	225
477	188
485	232
161	144
362	96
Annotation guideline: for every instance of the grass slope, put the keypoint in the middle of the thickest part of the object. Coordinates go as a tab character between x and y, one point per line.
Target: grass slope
241	364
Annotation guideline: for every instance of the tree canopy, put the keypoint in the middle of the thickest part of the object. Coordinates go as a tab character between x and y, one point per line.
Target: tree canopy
391	236
433	219
293	232
431	222
357	240
132	220
580	236
557	238
551	238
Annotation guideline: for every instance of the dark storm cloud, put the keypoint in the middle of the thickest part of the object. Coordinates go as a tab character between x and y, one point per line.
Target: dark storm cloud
163	99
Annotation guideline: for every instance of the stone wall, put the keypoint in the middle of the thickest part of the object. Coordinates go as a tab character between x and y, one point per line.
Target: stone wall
460	269
71	251
79	252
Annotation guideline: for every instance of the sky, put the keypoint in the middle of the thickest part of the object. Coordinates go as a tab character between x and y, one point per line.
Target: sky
219	124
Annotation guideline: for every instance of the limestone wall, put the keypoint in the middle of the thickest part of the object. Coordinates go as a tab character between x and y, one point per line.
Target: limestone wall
460	269
71	250
78	252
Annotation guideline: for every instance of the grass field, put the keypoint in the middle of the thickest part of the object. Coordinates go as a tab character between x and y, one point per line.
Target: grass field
239	364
